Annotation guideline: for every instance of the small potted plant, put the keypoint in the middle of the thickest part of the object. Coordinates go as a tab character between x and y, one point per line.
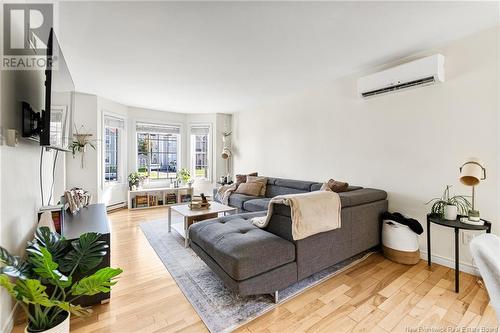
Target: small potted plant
184	175
449	207
53	276
134	180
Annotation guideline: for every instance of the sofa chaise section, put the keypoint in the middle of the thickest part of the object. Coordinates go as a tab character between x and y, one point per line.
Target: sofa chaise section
248	260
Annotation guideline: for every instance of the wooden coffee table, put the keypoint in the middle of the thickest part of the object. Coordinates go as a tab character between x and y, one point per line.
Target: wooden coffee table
195	215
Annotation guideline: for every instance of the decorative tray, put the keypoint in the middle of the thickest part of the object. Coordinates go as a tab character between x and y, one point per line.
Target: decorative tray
198	205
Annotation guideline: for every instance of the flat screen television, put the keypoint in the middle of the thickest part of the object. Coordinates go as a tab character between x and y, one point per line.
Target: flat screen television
52	126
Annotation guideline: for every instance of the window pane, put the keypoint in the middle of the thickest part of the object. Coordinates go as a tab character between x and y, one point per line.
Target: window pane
200	155
111	154
157	155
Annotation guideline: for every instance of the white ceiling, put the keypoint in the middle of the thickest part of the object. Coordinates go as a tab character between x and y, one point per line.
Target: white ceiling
231	56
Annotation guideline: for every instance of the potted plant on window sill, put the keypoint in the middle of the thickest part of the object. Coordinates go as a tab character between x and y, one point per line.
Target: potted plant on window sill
45	284
134	180
449	207
184	175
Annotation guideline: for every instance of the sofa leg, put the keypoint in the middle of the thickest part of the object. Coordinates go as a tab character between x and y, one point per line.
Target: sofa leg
276	297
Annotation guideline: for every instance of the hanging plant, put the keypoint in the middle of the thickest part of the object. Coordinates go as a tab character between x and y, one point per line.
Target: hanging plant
80	143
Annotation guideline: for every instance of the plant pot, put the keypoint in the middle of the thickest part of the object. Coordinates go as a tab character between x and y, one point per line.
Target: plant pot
450	212
474	215
62	327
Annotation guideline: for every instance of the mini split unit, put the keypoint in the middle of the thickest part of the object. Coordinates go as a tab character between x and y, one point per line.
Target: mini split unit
421	72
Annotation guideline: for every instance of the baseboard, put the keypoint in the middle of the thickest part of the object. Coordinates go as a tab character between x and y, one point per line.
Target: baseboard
116	206
9	324
463	267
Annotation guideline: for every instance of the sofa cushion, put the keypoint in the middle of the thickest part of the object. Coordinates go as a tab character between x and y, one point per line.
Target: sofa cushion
252	189
243	178
261	180
237	200
238	247
256	205
273	190
294	184
347	199
361	196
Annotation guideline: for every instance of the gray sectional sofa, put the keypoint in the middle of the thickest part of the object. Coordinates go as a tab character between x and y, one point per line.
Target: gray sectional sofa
254	261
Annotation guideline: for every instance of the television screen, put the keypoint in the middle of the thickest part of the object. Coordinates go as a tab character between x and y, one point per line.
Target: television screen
59	99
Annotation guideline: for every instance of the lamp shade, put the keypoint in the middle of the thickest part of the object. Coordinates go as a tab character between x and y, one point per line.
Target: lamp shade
472	172
226	153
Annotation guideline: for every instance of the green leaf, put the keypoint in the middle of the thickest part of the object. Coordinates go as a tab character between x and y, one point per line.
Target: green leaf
46	268
77	310
100	281
12	265
8	285
32	292
87	253
52	241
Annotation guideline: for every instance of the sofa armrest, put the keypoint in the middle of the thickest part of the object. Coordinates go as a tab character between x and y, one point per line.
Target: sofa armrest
280	223
361	197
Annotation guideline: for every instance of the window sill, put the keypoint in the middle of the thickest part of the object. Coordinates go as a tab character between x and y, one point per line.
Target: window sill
208	180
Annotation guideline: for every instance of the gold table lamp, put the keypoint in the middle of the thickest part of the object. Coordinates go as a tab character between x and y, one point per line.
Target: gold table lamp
472	172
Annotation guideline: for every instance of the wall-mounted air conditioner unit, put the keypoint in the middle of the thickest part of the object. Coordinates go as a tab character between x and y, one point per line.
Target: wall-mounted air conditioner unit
421	72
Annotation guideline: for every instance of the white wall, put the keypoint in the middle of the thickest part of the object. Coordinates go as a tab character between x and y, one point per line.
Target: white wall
223	125
410	144
85	115
19	171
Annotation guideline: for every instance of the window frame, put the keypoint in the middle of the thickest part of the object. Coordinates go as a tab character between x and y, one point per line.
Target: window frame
117	153
156	123
121	149
209	153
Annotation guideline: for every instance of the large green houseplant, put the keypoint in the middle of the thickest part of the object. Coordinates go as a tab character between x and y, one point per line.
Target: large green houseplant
54	274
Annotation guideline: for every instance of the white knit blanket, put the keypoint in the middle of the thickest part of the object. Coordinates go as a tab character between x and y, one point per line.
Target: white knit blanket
312	212
224	192
485	250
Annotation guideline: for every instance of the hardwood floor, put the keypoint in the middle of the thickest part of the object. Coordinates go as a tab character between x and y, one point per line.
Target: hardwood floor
376	295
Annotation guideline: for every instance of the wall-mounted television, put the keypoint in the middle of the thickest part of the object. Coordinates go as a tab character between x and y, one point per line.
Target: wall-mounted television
52	126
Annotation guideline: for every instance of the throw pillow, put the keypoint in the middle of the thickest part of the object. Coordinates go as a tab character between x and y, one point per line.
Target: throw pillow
262	180
252	189
337	186
243	178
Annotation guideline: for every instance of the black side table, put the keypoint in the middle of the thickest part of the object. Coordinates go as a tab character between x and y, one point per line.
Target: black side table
457	225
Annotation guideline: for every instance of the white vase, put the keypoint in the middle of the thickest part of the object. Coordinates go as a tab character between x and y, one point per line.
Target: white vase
450	212
63	327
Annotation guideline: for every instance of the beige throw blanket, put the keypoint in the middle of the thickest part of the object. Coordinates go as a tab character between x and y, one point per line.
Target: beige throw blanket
224	192
312	212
